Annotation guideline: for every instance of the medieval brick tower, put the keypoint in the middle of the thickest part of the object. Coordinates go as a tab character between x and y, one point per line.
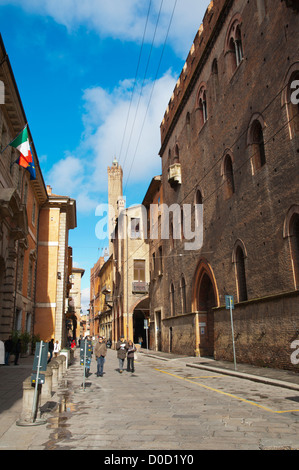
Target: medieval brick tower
115	192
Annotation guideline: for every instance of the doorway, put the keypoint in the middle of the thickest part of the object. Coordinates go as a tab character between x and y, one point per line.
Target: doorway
158	331
139	331
204	299
206	302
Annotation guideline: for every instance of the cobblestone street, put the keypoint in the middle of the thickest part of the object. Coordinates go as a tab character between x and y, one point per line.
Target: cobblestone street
164	405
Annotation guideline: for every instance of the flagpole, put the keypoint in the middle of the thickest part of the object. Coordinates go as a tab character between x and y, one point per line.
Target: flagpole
14	139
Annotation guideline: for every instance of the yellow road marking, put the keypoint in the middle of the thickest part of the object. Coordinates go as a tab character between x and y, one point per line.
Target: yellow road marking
207	376
227	394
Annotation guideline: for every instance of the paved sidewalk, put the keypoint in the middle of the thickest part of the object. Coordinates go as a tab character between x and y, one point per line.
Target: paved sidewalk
281	378
11	391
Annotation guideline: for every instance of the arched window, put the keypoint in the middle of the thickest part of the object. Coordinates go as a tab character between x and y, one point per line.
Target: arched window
291	232
228	177
176	154
172	305
183	294
262	10
188	128
198	209
239	260
256	143
238	45
202	105
295	245
291	100
215	80
171	239
234	45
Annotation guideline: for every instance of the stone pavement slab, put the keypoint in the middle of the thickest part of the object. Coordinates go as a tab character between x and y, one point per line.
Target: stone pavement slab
144	410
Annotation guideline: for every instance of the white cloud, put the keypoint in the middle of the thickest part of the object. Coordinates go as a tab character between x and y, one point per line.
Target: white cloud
66	174
85	299
125	19
84	176
137	148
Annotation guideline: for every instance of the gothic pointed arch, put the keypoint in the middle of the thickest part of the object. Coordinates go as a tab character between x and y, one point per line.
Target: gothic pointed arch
239	260
203	269
291	233
204	298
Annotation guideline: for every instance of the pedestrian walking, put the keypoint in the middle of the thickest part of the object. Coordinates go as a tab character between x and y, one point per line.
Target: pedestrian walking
51	349
121	347
8	346
100	351
17	351
131	349
56	348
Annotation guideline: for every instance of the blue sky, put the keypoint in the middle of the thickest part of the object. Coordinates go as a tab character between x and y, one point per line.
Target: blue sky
75	64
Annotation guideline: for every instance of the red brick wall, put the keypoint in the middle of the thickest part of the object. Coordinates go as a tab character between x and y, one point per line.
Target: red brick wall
256	212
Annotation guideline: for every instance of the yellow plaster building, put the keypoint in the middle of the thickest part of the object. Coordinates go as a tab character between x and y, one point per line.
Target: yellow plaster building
57	217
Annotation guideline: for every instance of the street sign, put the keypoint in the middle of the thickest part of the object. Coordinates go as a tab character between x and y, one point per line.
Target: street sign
41	378
43	360
85	353
85	357
39	363
229	305
229	302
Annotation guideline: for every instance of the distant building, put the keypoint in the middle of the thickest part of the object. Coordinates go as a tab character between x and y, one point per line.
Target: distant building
103	316
130	258
74	310
95	298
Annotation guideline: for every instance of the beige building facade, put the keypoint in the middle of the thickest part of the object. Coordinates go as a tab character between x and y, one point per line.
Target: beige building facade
74	310
57	217
21	199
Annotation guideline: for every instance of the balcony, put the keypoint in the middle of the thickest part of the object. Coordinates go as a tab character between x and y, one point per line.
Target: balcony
140	287
174	174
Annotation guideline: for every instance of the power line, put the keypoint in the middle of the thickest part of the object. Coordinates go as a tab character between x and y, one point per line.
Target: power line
136	75
153	87
145	73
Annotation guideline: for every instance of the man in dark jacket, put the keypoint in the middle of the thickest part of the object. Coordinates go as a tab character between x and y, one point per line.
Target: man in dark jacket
8	350
121	347
100	352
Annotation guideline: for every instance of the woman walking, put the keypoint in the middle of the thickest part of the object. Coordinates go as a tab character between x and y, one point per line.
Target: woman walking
131	349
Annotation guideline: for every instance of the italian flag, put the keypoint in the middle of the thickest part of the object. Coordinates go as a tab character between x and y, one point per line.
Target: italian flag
21	143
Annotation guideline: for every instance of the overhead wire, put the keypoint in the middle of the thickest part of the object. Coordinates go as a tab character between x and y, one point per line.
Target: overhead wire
135	80
153	87
143	82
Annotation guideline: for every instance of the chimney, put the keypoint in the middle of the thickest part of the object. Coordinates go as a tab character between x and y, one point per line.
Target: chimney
49	190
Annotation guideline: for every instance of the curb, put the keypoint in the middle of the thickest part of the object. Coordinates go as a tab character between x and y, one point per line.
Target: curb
232	373
243	375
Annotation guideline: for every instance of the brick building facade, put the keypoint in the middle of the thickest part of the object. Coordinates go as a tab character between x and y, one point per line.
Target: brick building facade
230	148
